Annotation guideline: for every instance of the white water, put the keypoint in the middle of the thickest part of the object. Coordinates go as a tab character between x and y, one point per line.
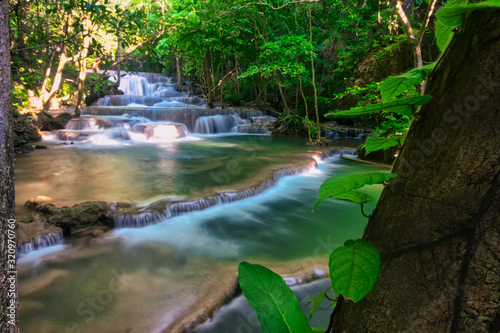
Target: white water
109	123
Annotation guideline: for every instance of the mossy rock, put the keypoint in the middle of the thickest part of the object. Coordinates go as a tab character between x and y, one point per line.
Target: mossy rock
78	217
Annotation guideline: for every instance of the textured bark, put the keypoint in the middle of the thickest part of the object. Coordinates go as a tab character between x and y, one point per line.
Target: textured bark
437	226
6	170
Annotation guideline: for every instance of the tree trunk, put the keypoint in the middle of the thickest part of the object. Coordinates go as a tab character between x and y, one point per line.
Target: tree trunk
313	78
238	90
8	279
208	79
178	70
437	225
87	28
282	95
46	79
45	96
222	78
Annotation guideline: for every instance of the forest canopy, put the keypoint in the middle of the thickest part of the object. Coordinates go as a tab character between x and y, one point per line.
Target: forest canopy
299	58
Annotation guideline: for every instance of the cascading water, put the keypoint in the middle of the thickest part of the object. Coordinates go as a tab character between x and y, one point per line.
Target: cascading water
40	242
218	124
152	101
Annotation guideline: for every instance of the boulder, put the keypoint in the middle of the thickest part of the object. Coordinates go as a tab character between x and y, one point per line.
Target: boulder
78	217
49	123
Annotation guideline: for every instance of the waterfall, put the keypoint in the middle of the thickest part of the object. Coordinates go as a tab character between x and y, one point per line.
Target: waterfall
135	85
187	117
162	131
349	133
40	242
217	124
153	214
124	100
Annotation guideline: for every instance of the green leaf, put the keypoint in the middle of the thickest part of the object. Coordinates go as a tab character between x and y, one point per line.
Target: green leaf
316	301
354	269
444	34
374	143
318	330
395	85
454	15
356	197
337	187
276	305
402	106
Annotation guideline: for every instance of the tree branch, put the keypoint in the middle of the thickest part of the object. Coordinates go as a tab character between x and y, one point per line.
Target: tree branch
427	18
223	79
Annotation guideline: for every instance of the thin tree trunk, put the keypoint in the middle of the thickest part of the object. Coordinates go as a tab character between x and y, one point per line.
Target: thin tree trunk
238	90
436	224
178	70
46	97
9	322
318	137
307	109
87	28
282	95
46	79
222	78
208	80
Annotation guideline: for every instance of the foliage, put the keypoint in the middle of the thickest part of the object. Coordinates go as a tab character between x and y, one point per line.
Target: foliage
274	302
317	300
404	107
378	142
354	269
343	187
370	94
452	15
395	86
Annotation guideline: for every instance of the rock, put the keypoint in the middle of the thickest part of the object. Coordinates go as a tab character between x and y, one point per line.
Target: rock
39	201
40	147
30	232
25	149
78	217
49	123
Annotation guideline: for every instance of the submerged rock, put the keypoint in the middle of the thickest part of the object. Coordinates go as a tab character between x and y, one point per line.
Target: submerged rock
37	235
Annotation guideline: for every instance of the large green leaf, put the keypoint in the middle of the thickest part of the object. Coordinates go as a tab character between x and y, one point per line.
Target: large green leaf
276	305
403	106
444	34
395	85
341	186
317	300
374	143
454	15
354	269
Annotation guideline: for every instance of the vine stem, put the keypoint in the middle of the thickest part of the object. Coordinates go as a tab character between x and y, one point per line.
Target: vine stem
363	211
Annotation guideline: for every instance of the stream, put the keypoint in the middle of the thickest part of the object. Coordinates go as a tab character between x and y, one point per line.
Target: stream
156	144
